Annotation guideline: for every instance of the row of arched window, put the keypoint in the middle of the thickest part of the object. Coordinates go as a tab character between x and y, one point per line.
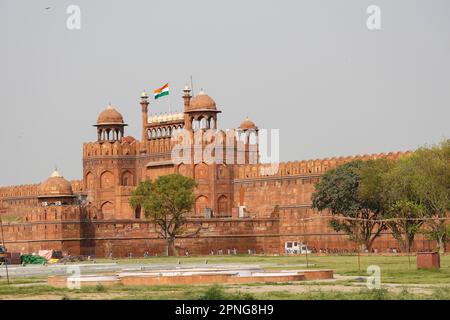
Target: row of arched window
110	134
204	123
162	132
107	180
201	171
202	203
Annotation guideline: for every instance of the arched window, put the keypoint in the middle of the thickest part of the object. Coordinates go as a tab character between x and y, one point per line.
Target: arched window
203	123
127	179
137	212
222	172
196	124
201	204
182	169
89	181
107	210
201	171
106	180
252	137
212	123
222	205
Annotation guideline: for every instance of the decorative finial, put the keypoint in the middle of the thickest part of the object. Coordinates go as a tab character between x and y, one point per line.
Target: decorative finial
186	91
55	173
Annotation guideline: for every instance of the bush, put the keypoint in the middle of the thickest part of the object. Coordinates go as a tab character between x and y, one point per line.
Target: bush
100	288
217	292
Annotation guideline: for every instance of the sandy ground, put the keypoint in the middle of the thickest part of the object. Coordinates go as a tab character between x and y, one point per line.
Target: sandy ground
329	286
333	285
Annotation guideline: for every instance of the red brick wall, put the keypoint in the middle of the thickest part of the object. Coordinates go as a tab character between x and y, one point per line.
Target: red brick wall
124	236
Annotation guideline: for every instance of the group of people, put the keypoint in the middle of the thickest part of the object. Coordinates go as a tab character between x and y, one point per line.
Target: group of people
220	252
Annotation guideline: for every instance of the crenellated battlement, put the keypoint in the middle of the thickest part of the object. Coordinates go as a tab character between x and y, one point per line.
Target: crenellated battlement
26	190
160	145
128	146
32	190
306	167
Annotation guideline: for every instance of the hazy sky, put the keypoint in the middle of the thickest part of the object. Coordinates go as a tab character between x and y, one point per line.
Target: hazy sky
310	68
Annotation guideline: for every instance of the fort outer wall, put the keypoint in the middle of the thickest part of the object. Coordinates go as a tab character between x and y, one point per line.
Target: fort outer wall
98	238
287	196
276	205
122	237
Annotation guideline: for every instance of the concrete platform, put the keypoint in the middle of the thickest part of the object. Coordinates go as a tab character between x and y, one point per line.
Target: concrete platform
192	276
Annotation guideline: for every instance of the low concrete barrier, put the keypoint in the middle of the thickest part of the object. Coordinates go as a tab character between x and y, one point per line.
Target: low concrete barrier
189	277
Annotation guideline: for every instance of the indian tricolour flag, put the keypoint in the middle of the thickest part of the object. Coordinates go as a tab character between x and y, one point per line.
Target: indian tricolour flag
161	92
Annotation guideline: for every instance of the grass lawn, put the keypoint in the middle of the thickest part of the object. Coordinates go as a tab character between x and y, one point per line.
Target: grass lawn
399	280
216	292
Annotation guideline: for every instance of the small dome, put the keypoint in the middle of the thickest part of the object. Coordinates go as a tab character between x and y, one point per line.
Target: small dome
110	116
202	101
247	124
55	186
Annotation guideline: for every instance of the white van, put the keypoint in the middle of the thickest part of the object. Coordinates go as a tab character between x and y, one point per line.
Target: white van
295	247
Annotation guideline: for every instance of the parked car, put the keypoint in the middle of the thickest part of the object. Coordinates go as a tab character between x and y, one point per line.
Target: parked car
296	247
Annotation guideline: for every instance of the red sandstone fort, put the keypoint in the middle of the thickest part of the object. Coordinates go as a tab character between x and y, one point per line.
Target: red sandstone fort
237	205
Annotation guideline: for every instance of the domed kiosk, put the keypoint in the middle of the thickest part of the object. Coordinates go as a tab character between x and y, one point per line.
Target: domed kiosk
247	124
110	125
202	102
55	191
202	112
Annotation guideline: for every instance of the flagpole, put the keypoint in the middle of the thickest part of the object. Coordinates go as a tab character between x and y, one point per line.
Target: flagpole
169	100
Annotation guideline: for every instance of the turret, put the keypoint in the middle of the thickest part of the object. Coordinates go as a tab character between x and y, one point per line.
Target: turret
144	109
110	125
187	101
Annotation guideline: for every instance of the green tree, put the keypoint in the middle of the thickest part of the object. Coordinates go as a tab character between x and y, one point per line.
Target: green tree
431	186
356	215
405	210
166	202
